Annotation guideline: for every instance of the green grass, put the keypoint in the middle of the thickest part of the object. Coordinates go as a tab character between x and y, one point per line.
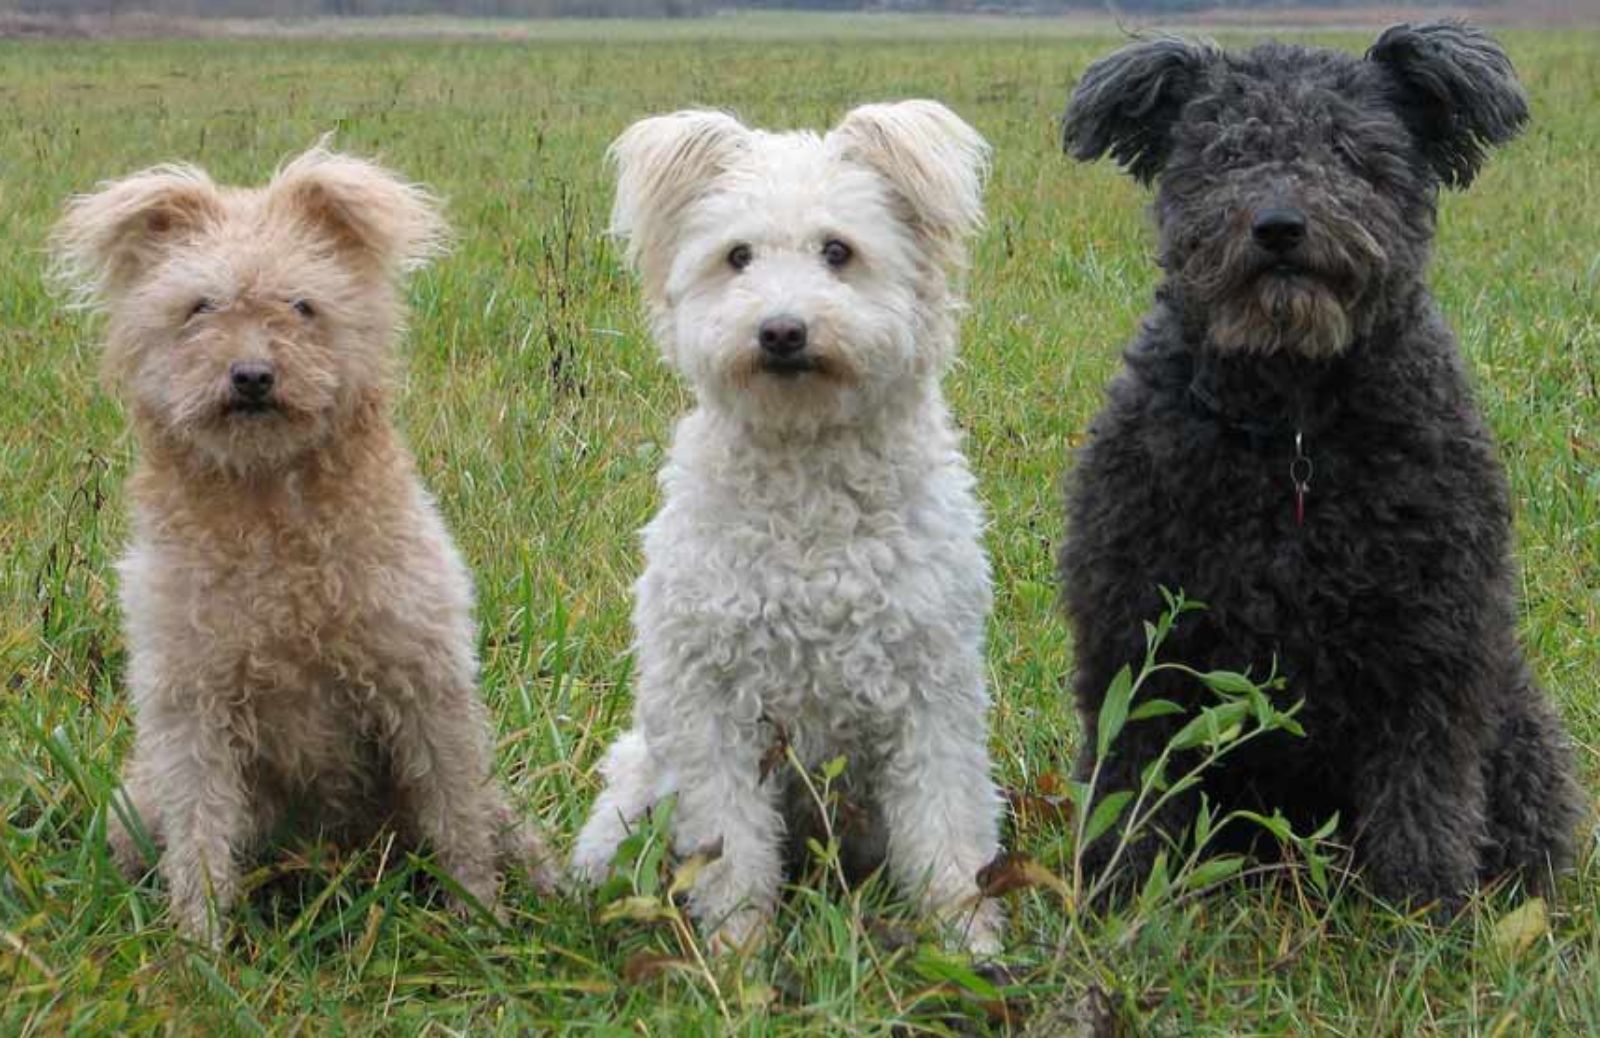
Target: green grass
538	410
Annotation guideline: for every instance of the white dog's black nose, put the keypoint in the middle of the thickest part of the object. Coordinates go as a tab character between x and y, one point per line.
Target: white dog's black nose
782	336
1279	230
252	380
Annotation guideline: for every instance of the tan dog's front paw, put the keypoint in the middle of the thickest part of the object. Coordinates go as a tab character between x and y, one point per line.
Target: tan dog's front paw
195	920
522	848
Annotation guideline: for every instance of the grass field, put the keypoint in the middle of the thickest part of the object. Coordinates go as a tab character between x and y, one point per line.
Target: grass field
539	410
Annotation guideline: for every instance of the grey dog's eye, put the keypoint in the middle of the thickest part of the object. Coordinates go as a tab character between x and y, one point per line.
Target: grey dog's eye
304	308
201	306
739	257
836	253
1347	154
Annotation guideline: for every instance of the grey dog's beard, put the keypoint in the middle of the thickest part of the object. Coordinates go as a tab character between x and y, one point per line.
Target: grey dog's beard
1302	303
1281	314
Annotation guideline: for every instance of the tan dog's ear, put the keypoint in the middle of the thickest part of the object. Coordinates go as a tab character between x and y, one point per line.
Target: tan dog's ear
105	240
935	161
363	207
663	163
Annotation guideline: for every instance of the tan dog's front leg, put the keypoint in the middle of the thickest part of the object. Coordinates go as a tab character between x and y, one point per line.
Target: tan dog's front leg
206	816
521	846
442	766
134	803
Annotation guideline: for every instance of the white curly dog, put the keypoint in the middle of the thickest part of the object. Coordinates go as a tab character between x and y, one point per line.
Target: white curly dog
815	573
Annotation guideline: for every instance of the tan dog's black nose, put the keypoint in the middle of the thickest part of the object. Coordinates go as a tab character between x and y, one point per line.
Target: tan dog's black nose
252	380
782	336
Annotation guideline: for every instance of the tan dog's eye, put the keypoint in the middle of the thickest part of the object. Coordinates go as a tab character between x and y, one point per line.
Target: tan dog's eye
836	253
201	306
304	308
739	257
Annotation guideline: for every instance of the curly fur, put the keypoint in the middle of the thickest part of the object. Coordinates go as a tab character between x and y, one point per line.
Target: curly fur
1391	609
815	571
299	623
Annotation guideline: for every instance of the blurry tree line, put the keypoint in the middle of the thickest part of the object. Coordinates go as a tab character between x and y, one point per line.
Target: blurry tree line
613	8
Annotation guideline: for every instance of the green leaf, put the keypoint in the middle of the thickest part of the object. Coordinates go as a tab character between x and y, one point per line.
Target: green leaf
1105	814
1114	711
833	769
1517	930
1317	865
1215	725
1202	822
1214	871
822	853
1278	826
1326	829
936	966
1157	882
1261	707
638	910
1228	682
1154	775
1154	708
648	874
689	872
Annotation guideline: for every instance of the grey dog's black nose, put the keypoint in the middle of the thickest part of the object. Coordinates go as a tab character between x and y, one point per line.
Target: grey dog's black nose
1279	230
252	380
782	336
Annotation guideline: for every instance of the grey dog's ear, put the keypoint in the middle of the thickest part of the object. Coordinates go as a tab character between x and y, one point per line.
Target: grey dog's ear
1456	90
1127	103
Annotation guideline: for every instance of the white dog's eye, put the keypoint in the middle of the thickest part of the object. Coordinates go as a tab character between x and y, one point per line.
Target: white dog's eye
201	306
739	257
836	253
304	308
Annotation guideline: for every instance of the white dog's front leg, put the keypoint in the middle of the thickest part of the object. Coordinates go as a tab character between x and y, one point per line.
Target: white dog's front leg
722	801
632	785
943	816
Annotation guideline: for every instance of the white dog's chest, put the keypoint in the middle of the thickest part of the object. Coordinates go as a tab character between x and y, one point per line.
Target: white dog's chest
830	631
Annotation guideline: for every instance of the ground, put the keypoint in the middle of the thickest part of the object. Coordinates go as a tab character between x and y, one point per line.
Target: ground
538	410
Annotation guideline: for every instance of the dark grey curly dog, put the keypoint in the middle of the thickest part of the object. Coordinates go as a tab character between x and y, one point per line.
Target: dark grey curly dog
1293	441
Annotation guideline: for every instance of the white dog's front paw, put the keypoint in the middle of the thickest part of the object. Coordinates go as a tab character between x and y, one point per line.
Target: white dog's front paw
590	864
981	930
740	932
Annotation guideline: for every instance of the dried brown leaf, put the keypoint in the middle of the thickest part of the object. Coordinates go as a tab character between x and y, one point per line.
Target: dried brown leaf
1012	871
648	965
776	752
1036	809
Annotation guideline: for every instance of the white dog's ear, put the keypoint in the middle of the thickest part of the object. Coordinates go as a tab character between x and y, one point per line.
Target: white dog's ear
663	163
104	241
935	161
363	207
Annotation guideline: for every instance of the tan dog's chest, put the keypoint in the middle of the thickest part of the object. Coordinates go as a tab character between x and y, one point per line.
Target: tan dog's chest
285	634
